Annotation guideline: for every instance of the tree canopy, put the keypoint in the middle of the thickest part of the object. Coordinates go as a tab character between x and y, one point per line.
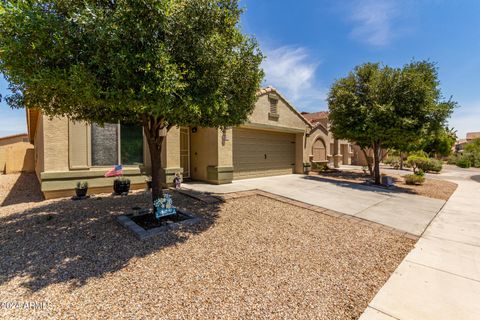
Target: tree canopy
151	62
383	107
185	61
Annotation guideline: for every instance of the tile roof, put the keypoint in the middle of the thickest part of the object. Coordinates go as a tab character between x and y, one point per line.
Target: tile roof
316	116
473	135
266	90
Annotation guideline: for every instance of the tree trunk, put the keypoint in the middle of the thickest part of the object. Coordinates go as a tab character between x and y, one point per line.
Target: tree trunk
152	127
401	160
369	163
376	159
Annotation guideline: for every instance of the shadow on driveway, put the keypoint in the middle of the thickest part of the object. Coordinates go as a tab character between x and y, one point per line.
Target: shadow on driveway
359	185
73	241
475	178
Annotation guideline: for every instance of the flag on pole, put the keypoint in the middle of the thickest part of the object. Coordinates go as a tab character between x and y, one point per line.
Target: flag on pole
116	171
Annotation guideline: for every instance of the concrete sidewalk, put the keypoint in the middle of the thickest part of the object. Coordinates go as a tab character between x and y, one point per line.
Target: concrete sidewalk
406	212
440	278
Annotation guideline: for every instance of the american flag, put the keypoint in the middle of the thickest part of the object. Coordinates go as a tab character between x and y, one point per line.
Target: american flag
116	171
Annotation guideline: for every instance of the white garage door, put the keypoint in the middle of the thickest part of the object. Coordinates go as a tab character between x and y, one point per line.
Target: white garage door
258	153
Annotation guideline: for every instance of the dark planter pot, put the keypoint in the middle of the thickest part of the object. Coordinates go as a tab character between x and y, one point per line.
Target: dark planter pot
307	169
121	187
81	192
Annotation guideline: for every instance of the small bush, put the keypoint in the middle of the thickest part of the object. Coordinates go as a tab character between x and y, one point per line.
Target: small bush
319	166
434	165
464	162
82	184
425	164
419	153
392	161
414	179
472	151
453	159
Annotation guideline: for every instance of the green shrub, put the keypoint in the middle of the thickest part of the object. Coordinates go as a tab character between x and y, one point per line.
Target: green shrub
414	179
464	162
82	184
419	153
453	159
434	165
392	161
319	166
472	151
426	164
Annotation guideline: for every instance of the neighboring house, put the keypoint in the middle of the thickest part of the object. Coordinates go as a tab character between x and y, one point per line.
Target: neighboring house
359	158
16	154
460	144
324	147
276	140
472	136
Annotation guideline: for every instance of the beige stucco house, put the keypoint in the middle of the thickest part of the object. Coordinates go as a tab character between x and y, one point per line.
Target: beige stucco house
276	140
321	144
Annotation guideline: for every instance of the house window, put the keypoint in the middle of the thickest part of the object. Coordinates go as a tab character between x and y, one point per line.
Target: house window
104	144
131	144
116	144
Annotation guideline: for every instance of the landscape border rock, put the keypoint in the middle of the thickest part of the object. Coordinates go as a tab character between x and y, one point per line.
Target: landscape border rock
143	234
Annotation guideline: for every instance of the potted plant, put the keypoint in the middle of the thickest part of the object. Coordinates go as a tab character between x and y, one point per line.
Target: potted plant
307	167
121	185
81	189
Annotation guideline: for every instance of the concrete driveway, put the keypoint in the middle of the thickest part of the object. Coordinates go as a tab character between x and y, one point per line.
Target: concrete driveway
440	278
406	212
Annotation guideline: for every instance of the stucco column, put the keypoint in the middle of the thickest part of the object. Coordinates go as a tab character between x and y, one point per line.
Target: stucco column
299	154
336	153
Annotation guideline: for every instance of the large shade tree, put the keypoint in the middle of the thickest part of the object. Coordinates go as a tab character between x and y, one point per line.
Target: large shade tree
382	107
155	63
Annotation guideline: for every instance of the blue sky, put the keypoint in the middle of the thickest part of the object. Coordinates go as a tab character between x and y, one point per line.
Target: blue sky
310	43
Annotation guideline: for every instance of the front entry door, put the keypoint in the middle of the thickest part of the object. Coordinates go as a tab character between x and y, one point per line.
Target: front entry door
185	151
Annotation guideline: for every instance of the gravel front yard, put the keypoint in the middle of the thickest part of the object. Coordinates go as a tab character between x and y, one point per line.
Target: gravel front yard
251	257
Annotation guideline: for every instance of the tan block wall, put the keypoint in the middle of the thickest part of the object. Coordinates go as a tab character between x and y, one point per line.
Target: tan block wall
55	134
16	154
287	117
3	159
17	157
6	141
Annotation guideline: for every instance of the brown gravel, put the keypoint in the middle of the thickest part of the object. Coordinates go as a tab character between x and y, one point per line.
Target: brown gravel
19	188
432	188
250	258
